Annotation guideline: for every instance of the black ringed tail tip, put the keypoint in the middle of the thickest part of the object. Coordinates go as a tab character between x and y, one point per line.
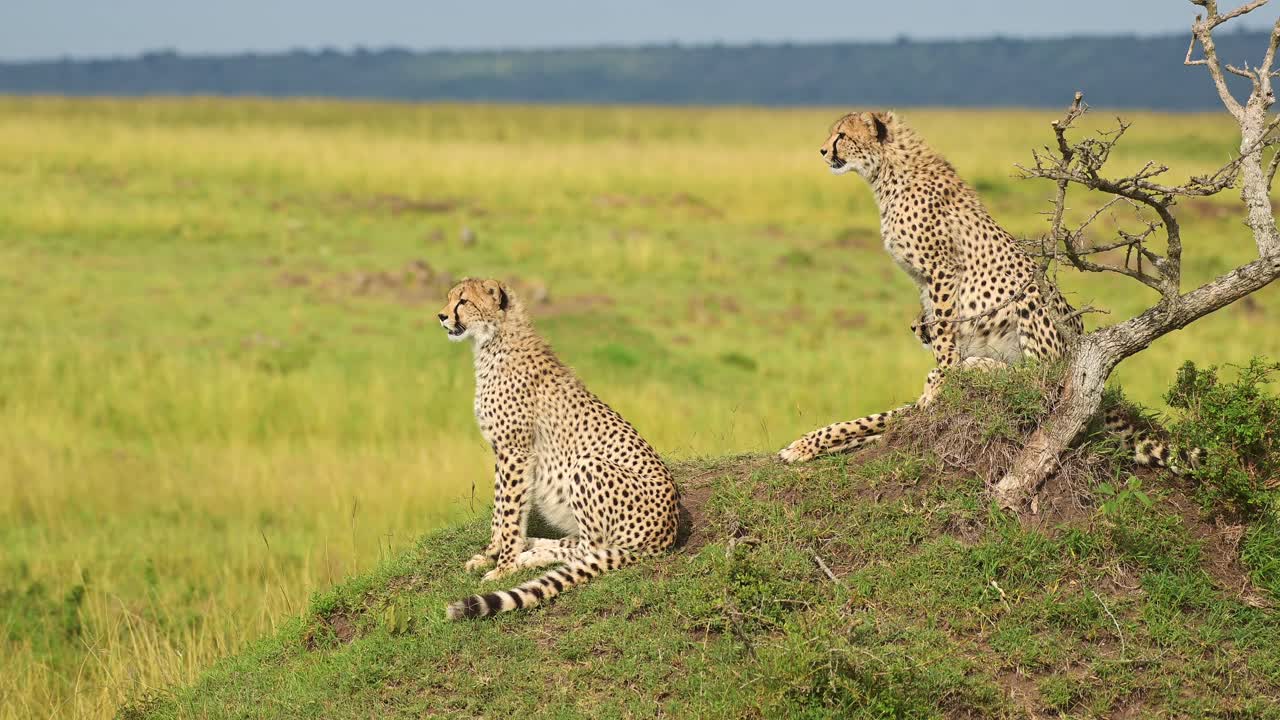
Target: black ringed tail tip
467	608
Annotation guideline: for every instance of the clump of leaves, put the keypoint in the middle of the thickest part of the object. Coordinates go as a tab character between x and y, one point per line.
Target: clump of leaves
1237	424
1115	498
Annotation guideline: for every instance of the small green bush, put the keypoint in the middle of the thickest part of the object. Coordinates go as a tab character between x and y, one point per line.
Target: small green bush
1237	424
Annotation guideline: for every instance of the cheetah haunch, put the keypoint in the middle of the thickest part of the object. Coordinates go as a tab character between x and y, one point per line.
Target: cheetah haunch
557	446
983	301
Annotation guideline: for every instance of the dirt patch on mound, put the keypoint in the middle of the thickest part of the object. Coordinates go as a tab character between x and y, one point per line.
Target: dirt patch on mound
1219	550
339	625
696	489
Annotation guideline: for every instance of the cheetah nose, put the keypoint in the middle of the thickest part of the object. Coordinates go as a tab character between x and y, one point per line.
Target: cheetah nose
823	151
442	317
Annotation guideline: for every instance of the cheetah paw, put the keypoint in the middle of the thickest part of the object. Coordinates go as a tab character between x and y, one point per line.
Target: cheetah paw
477	562
498	573
798	451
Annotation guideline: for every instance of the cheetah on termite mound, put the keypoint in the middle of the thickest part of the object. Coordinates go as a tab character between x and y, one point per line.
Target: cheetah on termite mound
556	446
983	302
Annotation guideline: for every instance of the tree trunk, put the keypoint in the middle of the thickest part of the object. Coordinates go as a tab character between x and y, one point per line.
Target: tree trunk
1086	378
1098	353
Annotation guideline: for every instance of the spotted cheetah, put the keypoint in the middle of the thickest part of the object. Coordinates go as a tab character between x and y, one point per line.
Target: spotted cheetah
984	303
558	447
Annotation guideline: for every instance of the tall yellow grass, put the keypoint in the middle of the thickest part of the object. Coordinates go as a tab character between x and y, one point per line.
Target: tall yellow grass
199	445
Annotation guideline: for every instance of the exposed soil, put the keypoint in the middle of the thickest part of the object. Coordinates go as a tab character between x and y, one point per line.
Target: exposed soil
1220	549
417	284
341	623
400	204
859	238
695	491
681	201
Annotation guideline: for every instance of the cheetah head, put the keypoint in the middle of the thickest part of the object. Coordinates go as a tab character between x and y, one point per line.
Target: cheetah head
856	142
475	309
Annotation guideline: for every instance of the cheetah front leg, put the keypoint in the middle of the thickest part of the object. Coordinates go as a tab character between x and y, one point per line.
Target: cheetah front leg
946	354
510	515
921	328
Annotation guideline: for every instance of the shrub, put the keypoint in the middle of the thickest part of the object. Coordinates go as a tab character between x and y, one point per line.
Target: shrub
1237	424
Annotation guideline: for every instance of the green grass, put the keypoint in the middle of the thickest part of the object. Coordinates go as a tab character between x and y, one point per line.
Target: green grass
221	386
941	607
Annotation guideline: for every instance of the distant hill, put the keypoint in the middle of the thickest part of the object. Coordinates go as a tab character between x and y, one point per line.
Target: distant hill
1115	71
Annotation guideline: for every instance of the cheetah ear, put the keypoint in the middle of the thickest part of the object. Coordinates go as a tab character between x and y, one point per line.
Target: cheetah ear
498	293
880	124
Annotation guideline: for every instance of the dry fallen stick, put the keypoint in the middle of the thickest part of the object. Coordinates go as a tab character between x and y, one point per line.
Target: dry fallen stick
1119	632
1003	598
825	570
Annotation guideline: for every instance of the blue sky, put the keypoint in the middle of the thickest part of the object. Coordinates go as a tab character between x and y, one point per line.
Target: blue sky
100	28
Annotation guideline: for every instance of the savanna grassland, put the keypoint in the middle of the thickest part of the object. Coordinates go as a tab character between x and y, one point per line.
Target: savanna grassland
222	387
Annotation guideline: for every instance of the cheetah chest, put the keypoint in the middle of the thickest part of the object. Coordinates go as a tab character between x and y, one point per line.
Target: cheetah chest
905	254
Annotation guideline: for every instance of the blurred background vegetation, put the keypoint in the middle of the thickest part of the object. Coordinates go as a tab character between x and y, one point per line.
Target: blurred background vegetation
222	386
1117	71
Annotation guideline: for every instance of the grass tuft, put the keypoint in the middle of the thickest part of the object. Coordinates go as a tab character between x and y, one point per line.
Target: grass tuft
933	608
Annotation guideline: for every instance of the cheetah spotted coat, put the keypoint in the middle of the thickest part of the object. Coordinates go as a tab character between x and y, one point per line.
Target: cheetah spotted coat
557	447
983	302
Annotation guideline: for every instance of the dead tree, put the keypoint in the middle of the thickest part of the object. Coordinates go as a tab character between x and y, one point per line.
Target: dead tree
1095	354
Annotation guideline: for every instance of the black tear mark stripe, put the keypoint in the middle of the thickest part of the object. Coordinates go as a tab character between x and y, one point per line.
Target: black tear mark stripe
457	321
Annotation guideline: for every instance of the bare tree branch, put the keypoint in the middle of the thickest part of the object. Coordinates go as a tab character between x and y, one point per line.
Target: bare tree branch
1212	7
1096	354
1271	169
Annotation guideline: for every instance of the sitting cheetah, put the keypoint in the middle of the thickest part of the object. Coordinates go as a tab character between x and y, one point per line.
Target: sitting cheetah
983	301
558	447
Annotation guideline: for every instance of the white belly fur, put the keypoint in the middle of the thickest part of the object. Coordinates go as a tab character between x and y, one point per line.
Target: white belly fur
555	509
1004	348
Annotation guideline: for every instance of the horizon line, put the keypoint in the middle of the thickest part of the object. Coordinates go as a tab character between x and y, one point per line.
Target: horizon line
357	49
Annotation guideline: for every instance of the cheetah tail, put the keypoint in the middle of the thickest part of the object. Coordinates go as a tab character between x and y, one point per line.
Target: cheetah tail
580	567
1149	450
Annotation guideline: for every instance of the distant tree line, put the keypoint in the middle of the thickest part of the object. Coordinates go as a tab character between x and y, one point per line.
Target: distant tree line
1116	71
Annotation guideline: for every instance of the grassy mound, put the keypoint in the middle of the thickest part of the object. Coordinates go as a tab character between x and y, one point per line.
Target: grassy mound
880	585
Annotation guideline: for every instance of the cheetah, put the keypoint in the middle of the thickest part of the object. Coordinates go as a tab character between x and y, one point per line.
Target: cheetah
558	448
984	303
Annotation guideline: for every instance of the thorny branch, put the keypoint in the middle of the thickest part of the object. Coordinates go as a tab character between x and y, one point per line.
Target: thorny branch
1080	164
962	319
1095	354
